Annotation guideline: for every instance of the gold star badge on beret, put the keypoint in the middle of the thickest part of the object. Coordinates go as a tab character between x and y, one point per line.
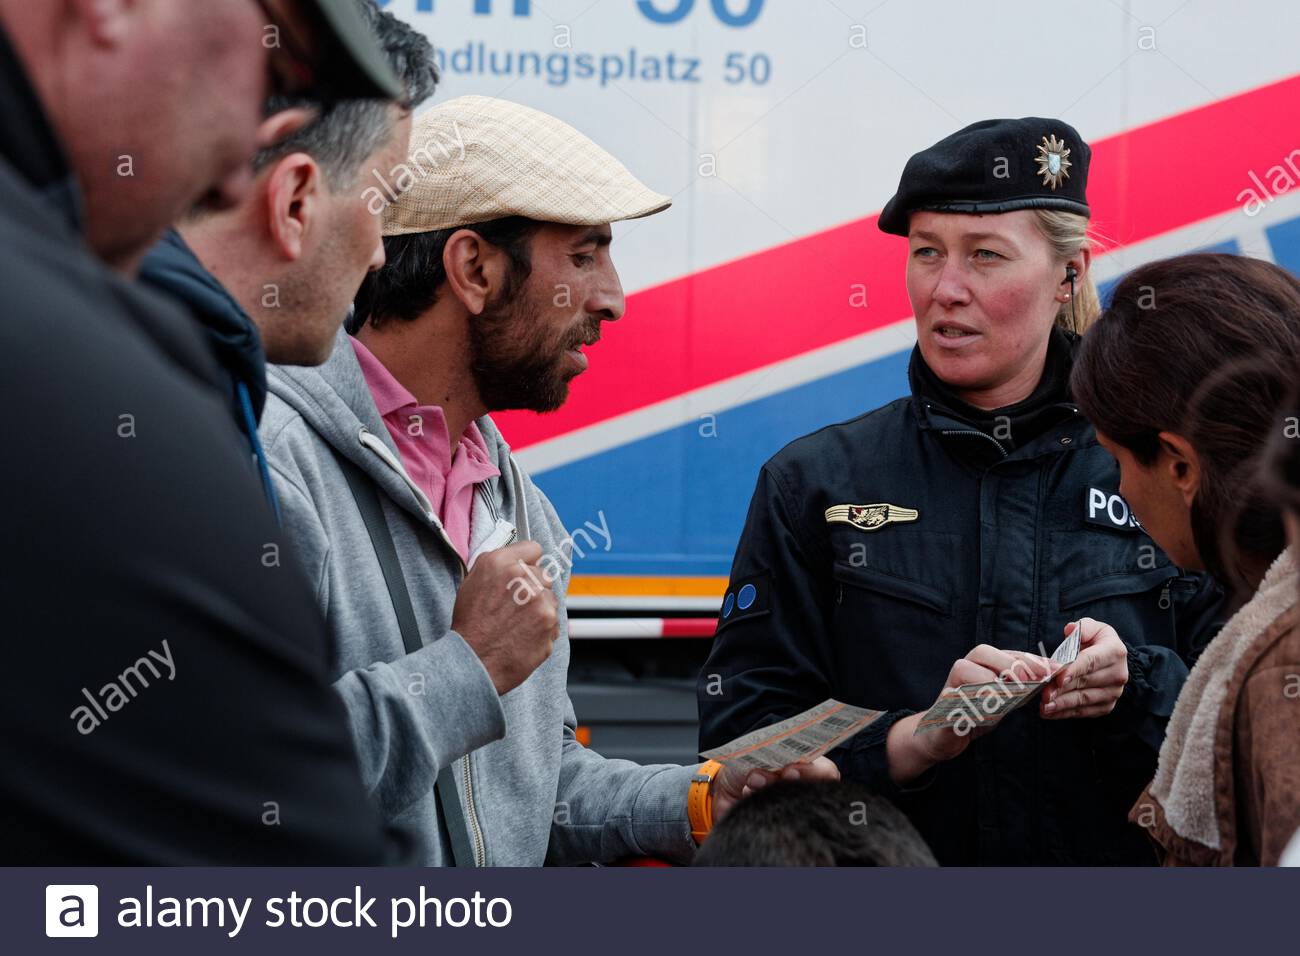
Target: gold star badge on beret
1053	161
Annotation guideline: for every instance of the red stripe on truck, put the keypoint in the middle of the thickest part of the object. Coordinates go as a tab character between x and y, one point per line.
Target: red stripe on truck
690	626
791	299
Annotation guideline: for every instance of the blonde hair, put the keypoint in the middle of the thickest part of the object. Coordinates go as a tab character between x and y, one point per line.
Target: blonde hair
1067	233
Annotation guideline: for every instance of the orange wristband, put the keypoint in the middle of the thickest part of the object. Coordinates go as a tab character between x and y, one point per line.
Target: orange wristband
699	800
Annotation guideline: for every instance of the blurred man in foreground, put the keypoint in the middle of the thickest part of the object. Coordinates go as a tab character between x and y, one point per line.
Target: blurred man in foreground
168	705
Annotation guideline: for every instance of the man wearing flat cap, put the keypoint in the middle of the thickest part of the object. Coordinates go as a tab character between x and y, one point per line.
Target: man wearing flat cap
441	567
955	537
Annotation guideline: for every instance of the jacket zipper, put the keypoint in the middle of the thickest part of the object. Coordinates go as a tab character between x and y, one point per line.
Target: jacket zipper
496	515
376	445
972	431
1181	582
480	857
480	852
471	812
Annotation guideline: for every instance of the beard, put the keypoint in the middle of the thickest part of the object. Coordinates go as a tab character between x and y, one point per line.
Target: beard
518	363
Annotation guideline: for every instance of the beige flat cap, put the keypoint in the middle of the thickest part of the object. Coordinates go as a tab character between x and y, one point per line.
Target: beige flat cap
477	158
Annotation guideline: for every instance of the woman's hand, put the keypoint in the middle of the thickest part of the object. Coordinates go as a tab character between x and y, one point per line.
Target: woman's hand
1093	684
910	755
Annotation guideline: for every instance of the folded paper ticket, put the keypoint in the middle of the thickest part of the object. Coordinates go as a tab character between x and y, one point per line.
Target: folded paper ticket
971	706
805	737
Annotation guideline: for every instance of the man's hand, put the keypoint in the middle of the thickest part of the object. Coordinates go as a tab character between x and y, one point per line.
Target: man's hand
910	755
1092	685
731	786
508	613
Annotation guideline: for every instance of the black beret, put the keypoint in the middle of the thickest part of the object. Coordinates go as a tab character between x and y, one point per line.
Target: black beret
993	166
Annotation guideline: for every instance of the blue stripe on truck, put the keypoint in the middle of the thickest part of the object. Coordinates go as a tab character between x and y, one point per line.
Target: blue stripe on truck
675	502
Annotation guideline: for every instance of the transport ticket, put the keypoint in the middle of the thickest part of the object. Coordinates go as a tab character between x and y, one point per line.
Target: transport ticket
972	706
803	737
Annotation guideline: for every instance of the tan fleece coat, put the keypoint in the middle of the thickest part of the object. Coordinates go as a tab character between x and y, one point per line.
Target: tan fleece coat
1227	787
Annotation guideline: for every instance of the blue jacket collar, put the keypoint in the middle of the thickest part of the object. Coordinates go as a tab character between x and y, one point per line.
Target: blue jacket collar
172	267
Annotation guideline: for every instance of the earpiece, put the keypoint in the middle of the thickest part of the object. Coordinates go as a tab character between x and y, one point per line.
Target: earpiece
1070	275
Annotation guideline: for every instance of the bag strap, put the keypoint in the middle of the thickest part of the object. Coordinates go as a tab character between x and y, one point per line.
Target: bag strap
450	811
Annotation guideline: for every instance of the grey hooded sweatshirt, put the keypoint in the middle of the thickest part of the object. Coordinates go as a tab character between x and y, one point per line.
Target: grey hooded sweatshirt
532	794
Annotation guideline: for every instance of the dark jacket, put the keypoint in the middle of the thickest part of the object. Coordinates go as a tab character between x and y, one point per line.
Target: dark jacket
172	267
131	520
1010	544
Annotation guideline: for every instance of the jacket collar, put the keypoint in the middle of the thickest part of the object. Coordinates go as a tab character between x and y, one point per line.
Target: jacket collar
1023	430
172	267
28	142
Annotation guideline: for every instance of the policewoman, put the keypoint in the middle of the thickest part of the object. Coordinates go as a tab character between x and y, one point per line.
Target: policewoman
951	536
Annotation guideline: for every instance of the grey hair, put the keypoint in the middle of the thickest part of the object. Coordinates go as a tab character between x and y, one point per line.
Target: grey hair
347	131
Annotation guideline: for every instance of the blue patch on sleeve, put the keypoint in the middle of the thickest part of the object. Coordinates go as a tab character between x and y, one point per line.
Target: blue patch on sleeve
746	598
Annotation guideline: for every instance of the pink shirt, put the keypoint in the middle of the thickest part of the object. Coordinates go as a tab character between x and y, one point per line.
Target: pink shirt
420	433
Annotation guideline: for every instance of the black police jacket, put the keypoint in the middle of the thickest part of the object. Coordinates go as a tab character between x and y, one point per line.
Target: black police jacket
1007	546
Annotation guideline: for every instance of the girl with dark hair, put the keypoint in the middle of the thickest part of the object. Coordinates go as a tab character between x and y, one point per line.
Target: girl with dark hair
1185	377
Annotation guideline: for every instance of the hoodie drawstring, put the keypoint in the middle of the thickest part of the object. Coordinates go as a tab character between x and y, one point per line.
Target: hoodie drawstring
250	425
